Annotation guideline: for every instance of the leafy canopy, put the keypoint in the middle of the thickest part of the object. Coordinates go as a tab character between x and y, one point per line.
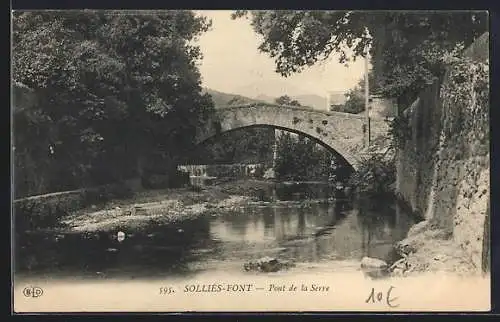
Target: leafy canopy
408	49
111	85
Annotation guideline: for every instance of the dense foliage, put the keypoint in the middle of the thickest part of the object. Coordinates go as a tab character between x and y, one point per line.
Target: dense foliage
355	102
112	88
355	98
375	177
466	95
408	49
286	100
300	158
247	145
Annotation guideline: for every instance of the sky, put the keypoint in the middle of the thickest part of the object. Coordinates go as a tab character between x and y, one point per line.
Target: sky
233	64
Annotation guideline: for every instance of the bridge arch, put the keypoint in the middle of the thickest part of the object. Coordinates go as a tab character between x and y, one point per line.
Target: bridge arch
332	150
340	133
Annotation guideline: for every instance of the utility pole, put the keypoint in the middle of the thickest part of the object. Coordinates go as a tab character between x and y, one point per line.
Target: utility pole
327	101
367	104
275	148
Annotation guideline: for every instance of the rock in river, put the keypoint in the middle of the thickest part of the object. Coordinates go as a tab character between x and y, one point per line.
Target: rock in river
373	263
267	264
120	236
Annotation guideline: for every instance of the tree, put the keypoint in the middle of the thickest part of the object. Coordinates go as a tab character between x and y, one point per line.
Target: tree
408	49
247	145
355	97
286	100
114	87
355	102
300	158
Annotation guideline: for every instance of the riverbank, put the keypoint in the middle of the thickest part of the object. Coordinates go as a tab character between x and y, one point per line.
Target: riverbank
171	205
425	249
153	207
429	249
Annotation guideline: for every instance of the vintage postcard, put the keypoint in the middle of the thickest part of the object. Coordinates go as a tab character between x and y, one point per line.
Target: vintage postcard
250	161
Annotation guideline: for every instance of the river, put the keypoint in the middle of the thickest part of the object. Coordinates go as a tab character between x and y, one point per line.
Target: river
333	236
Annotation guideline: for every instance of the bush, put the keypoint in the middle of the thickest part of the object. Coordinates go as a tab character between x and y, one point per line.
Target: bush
375	176
301	159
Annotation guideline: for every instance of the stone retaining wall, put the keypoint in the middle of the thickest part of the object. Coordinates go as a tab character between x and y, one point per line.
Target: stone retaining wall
44	211
443	170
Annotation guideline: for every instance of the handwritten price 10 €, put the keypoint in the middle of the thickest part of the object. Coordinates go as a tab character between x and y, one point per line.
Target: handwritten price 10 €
380	297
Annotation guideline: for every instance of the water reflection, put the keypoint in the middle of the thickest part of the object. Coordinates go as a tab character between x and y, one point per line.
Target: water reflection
314	233
298	191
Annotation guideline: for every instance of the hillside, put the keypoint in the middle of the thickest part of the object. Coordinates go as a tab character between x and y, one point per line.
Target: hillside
310	100
315	101
270	87
226	99
265	98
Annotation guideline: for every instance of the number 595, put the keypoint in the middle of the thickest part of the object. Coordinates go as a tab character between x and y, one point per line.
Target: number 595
165	290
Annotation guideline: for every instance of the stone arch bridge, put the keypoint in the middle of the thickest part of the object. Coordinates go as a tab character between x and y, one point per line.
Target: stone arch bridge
341	133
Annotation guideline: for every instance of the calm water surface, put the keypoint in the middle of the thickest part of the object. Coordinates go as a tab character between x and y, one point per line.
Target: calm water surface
334	235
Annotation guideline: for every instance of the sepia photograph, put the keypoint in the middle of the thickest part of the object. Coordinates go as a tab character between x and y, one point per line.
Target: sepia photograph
250	161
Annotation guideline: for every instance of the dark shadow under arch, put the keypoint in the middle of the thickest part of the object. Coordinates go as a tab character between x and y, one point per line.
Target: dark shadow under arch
338	156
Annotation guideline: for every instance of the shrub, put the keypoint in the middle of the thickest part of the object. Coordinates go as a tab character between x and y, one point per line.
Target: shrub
301	159
375	176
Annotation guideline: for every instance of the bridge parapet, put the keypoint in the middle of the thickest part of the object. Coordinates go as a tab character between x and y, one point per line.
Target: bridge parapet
292	107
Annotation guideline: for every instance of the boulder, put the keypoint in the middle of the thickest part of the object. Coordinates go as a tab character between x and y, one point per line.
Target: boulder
269	174
373	263
120	236
267	264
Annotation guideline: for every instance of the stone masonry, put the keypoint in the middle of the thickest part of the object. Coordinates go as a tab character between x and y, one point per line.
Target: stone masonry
341	133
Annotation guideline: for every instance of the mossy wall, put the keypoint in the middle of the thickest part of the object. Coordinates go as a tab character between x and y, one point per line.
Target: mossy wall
443	170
